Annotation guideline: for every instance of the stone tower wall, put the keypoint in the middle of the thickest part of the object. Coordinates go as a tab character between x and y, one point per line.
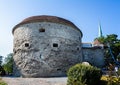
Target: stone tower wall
43	49
94	55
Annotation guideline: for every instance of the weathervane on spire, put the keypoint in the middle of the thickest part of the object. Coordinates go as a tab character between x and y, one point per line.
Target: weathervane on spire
99	31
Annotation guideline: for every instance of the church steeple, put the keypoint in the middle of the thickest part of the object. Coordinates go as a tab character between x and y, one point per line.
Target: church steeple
99	31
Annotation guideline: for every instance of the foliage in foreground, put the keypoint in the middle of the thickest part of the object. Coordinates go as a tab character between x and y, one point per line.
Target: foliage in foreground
2	82
83	75
118	72
110	80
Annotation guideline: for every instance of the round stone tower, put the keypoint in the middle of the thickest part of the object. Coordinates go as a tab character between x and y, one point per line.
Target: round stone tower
45	46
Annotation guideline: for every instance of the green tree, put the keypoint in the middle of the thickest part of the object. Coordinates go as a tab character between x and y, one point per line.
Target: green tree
1	57
114	44
2	72
118	57
8	65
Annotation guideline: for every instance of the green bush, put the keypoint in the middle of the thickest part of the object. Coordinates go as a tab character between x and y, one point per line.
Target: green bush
83	75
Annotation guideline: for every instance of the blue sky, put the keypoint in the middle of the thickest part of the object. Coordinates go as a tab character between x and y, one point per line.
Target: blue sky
85	14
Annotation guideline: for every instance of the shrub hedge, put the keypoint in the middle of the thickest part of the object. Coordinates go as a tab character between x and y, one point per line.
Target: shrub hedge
83	75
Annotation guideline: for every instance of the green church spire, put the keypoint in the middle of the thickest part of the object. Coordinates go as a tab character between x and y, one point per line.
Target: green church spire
99	31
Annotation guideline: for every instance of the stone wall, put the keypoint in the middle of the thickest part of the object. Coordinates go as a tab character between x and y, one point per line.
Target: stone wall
43	49
94	55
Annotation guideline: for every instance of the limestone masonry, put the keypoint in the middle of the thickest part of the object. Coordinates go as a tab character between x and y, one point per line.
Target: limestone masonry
46	46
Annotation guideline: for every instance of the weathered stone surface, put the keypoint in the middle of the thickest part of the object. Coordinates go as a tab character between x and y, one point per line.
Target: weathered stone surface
44	49
94	55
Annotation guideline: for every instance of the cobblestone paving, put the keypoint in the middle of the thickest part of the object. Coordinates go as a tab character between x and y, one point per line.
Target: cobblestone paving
35	81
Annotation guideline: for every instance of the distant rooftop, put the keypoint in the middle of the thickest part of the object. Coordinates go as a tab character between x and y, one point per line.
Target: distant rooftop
92	45
87	44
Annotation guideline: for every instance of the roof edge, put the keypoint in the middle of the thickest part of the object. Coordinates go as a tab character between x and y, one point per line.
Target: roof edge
46	18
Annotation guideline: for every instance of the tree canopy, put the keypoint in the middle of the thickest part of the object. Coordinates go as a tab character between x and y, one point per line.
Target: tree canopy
114	43
2	72
1	57
8	65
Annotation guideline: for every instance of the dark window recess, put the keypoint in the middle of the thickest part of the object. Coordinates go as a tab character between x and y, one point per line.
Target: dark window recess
55	45
58	69
42	30
78	48
26	44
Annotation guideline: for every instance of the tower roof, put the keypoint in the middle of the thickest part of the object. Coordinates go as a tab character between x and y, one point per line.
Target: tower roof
46	18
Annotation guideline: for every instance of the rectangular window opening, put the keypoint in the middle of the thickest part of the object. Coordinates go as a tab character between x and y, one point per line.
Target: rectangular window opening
55	45
41	30
26	44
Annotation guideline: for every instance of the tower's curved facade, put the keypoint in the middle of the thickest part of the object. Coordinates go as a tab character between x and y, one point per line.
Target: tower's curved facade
46	46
